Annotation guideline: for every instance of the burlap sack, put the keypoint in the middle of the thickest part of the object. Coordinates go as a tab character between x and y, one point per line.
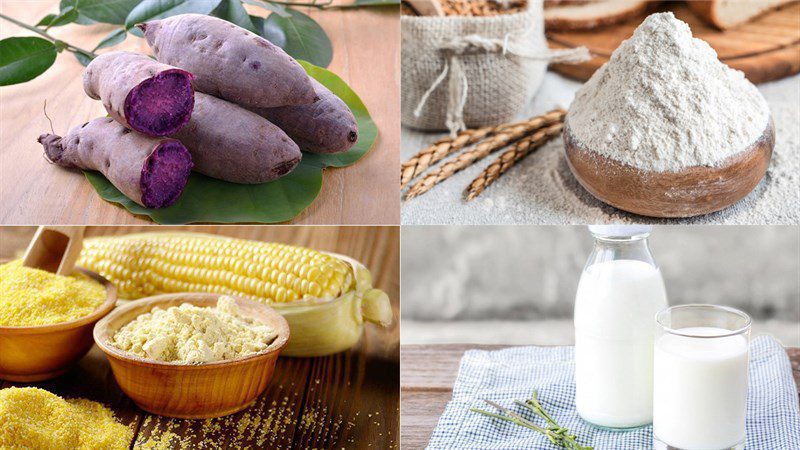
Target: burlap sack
469	72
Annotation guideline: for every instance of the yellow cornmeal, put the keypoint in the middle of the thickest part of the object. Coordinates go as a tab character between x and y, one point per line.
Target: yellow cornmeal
30	297
194	335
32	418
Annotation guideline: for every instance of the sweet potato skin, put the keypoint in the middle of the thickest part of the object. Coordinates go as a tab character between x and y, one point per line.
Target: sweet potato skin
116	78
233	144
325	126
229	62
127	158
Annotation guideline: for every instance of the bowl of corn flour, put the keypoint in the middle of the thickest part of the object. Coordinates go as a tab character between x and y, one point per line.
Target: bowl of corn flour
193	355
665	129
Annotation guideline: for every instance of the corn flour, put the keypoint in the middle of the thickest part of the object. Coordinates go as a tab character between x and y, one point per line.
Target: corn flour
32	418
33	297
190	334
664	102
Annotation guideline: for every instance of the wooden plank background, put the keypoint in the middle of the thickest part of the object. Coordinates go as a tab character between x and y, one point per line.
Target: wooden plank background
426	385
347	400
366	54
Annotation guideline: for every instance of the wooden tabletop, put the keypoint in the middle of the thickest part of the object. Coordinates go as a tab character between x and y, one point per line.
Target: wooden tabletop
347	400
366	55
427	376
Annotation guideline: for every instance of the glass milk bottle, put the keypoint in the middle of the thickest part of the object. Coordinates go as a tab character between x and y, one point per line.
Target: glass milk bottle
619	294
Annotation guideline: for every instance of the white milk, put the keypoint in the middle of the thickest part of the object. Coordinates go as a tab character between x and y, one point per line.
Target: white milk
615	310
700	390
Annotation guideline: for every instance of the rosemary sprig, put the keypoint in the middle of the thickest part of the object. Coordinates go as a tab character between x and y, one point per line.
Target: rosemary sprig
557	434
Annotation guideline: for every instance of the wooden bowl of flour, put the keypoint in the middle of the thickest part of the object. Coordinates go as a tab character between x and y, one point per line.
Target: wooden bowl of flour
37	353
690	192
191	391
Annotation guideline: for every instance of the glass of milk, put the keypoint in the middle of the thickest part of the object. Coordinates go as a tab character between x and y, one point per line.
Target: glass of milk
700	384
619	294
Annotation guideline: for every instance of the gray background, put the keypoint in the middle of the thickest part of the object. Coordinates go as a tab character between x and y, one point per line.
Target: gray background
516	284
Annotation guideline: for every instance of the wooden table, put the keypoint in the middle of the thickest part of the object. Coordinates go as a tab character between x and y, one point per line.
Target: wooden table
366	55
347	400
427	376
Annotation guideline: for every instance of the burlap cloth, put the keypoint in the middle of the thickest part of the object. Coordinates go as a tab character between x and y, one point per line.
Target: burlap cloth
468	72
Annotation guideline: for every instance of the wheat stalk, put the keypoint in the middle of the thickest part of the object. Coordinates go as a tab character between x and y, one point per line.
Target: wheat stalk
510	157
438	151
447	146
463	160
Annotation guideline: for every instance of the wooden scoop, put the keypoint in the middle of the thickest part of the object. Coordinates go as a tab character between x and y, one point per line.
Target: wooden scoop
54	249
690	192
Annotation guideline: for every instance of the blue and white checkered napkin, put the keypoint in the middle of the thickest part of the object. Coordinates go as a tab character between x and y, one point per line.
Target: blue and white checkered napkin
773	416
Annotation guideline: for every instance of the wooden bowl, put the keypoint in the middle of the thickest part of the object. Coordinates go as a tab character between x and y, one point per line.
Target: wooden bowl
43	352
690	192
191	391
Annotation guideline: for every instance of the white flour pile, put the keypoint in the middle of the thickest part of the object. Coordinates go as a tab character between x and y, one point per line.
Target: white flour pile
194	335
664	102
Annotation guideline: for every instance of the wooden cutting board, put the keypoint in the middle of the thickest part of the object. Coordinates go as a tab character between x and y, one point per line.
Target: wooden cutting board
766	49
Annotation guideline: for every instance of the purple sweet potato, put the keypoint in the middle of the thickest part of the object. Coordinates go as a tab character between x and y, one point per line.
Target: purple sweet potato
325	126
233	144
143	94
229	61
149	170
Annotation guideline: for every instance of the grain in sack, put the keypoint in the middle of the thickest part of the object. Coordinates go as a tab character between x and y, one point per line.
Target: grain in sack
468	72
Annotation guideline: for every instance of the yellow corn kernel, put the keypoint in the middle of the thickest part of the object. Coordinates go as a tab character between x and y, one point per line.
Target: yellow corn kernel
154	263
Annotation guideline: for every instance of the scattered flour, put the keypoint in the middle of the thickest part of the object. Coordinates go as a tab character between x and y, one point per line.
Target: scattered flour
664	102
194	335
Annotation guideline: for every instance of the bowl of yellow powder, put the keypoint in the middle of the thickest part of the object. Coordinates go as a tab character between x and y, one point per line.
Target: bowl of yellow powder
193	355
46	320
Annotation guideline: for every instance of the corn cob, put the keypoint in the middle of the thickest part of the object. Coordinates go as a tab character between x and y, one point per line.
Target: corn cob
155	263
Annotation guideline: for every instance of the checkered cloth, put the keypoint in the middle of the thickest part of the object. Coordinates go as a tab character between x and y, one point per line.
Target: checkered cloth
773	416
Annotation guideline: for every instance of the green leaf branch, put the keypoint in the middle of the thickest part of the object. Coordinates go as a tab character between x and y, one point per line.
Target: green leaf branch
58	43
556	434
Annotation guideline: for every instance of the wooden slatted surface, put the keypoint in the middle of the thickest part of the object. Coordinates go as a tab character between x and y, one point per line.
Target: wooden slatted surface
347	400
366	54
765	49
426	385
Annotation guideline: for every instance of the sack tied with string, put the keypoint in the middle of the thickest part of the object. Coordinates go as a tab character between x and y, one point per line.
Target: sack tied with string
469	72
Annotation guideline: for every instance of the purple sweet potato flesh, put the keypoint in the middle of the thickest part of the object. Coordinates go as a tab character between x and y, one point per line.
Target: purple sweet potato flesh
161	105
229	62
140	93
325	126
233	144
165	174
149	170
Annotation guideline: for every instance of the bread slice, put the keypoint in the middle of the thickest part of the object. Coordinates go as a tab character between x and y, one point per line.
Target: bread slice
725	14
593	15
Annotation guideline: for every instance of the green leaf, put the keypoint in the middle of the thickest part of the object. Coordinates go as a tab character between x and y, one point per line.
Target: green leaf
271	7
46	20
234	12
113	38
107	11
300	36
278	39
24	58
82	20
206	199
69	15
83	58
160	9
